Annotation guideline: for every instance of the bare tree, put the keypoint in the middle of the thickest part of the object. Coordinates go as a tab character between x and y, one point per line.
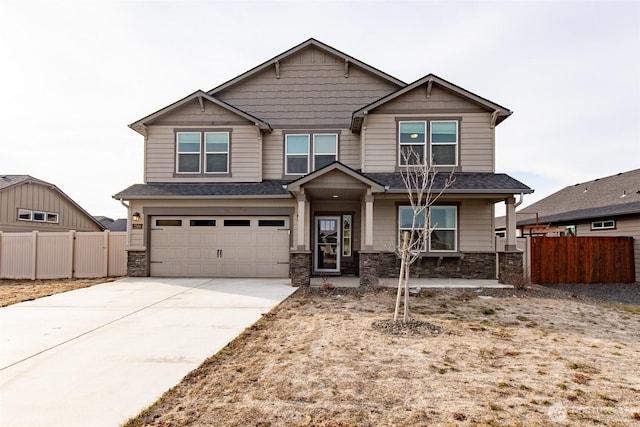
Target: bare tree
419	180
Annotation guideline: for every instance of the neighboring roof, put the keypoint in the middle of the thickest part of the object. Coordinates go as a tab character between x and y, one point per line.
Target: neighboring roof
336	165
464	182
502	112
8	181
271	189
104	220
603	197
301	46
139	126
119	224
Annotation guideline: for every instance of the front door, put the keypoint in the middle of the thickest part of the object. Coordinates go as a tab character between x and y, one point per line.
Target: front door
327	244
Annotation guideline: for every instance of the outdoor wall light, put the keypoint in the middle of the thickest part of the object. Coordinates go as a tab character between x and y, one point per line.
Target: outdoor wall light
135	216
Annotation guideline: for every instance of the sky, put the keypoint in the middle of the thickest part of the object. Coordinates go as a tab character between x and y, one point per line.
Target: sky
74	74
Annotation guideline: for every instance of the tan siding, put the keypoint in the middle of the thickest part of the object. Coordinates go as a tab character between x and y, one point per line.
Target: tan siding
273	155
191	114
417	101
312	89
245	156
385	225
475	229
624	227
349	150
476	141
42	198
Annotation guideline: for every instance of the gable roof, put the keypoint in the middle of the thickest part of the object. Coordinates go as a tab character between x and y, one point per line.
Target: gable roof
310	42
603	197
336	165
8	181
140	125
430	79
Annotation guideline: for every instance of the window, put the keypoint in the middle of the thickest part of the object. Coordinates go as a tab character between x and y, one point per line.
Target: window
52	217
603	225
444	143
202	223
271	223
217	152
412	143
25	215
188	152
443	222
441	144
296	154
195	157
168	223
237	223
39	216
308	152
346	235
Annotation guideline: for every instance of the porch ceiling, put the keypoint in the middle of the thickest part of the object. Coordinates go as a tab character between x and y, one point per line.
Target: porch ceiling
335	194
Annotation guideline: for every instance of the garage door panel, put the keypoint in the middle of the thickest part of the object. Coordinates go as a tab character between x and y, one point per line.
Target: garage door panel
206	247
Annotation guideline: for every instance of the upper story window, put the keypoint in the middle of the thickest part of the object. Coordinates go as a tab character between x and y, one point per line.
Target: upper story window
435	139
306	152
443	220
38	216
194	157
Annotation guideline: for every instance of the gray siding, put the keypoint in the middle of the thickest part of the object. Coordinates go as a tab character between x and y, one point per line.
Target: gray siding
312	91
440	101
40	197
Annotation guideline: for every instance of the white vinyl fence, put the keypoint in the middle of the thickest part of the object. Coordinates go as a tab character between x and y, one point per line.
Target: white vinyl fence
62	255
523	244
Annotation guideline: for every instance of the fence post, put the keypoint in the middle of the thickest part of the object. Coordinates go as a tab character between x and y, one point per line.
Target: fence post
1	272
105	254
34	255
70	248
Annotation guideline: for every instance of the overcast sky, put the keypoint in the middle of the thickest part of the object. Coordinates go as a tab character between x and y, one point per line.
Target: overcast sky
75	74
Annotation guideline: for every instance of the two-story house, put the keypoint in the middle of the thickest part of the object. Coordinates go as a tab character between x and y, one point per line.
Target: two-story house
293	169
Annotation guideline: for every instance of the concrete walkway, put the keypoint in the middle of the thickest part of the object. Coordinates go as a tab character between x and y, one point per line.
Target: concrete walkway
97	356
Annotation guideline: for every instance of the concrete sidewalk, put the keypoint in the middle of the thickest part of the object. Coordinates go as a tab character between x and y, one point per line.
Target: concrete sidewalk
99	355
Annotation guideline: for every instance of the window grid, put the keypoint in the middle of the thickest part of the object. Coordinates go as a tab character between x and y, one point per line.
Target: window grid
216	148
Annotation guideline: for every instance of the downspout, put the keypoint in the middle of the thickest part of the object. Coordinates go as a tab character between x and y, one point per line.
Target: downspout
363	140
519	202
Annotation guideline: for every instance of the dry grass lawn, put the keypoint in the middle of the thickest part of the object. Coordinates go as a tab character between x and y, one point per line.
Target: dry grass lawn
13	291
316	360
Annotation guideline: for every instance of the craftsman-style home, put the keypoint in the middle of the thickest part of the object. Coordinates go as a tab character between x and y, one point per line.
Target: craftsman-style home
292	169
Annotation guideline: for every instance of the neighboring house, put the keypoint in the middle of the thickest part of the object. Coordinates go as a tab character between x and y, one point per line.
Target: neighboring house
28	204
603	207
110	224
293	169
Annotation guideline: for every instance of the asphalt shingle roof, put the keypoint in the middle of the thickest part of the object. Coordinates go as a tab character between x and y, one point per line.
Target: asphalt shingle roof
464	182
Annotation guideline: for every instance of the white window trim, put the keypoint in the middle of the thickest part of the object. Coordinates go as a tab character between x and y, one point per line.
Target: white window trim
423	143
602	225
204	148
431	143
25	211
56	215
454	229
315	153
402	229
178	153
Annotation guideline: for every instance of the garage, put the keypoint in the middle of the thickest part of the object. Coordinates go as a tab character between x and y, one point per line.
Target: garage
219	246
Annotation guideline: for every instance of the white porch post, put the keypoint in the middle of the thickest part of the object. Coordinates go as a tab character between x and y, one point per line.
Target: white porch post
510	244
300	243
368	220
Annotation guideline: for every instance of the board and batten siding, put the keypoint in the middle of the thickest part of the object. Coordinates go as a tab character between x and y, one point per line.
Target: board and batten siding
475	228
624	227
476	141
311	89
42	198
161	155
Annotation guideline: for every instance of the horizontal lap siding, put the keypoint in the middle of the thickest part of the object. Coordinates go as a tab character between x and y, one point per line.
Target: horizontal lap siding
476	229
385	225
381	144
245	156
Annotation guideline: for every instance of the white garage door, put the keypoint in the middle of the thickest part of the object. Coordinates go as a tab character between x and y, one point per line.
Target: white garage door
219	246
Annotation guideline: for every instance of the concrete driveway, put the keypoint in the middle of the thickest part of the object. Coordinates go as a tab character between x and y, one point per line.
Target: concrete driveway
99	355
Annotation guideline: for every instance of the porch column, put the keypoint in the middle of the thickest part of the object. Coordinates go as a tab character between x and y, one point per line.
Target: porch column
510	244
302	200
368	221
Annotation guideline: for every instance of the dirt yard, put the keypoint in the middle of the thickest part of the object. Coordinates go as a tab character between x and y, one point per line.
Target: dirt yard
15	291
503	360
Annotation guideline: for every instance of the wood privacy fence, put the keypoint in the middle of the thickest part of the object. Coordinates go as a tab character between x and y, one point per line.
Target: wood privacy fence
60	255
579	259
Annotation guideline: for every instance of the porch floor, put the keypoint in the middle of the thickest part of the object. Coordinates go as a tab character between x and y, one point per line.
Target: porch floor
354	282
